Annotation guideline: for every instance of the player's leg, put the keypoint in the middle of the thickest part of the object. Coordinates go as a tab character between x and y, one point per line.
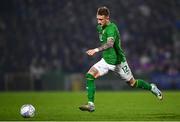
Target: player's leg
125	73
139	83
95	71
91	75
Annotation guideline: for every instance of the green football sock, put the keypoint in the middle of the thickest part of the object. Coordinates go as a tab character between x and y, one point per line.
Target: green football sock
90	86
142	84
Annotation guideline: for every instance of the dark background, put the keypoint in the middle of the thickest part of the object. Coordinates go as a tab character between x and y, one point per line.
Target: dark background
43	42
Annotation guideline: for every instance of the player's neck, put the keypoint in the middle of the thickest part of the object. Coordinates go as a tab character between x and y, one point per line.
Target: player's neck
107	23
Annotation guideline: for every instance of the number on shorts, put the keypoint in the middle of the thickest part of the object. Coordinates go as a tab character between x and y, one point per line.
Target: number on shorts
125	69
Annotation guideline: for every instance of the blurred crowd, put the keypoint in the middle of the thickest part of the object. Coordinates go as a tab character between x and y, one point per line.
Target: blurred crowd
54	34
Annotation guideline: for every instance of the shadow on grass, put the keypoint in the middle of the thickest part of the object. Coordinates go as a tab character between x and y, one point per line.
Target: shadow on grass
165	116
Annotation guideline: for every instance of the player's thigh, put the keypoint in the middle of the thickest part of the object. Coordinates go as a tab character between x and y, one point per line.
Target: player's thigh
102	67
124	71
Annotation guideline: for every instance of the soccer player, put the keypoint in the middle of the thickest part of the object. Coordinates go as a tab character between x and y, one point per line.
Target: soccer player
113	58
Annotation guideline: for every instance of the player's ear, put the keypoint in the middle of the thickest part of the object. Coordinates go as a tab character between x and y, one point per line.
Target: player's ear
107	17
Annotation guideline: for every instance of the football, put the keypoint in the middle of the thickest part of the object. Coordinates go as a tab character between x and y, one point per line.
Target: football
27	111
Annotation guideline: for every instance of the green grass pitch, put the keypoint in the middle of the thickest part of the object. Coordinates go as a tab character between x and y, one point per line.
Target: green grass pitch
110	106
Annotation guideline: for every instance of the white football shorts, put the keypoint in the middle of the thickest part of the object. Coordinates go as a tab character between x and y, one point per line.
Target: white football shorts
122	69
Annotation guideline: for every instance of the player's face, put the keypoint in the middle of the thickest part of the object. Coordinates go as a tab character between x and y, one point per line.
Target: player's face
102	20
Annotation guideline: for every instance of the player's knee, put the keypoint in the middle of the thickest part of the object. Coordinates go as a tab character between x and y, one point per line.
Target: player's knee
89	76
94	74
131	82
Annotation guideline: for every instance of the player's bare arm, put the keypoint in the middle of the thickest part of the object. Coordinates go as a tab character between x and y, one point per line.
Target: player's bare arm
109	44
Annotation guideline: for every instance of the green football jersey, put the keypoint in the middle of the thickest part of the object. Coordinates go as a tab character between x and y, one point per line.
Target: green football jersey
113	55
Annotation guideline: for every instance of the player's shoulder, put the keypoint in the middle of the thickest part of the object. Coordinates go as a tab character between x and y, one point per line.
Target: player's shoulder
112	26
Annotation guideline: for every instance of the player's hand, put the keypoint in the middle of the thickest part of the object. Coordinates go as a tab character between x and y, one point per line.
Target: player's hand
91	52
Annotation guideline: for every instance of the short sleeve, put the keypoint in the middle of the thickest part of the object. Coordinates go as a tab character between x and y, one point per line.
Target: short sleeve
111	33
